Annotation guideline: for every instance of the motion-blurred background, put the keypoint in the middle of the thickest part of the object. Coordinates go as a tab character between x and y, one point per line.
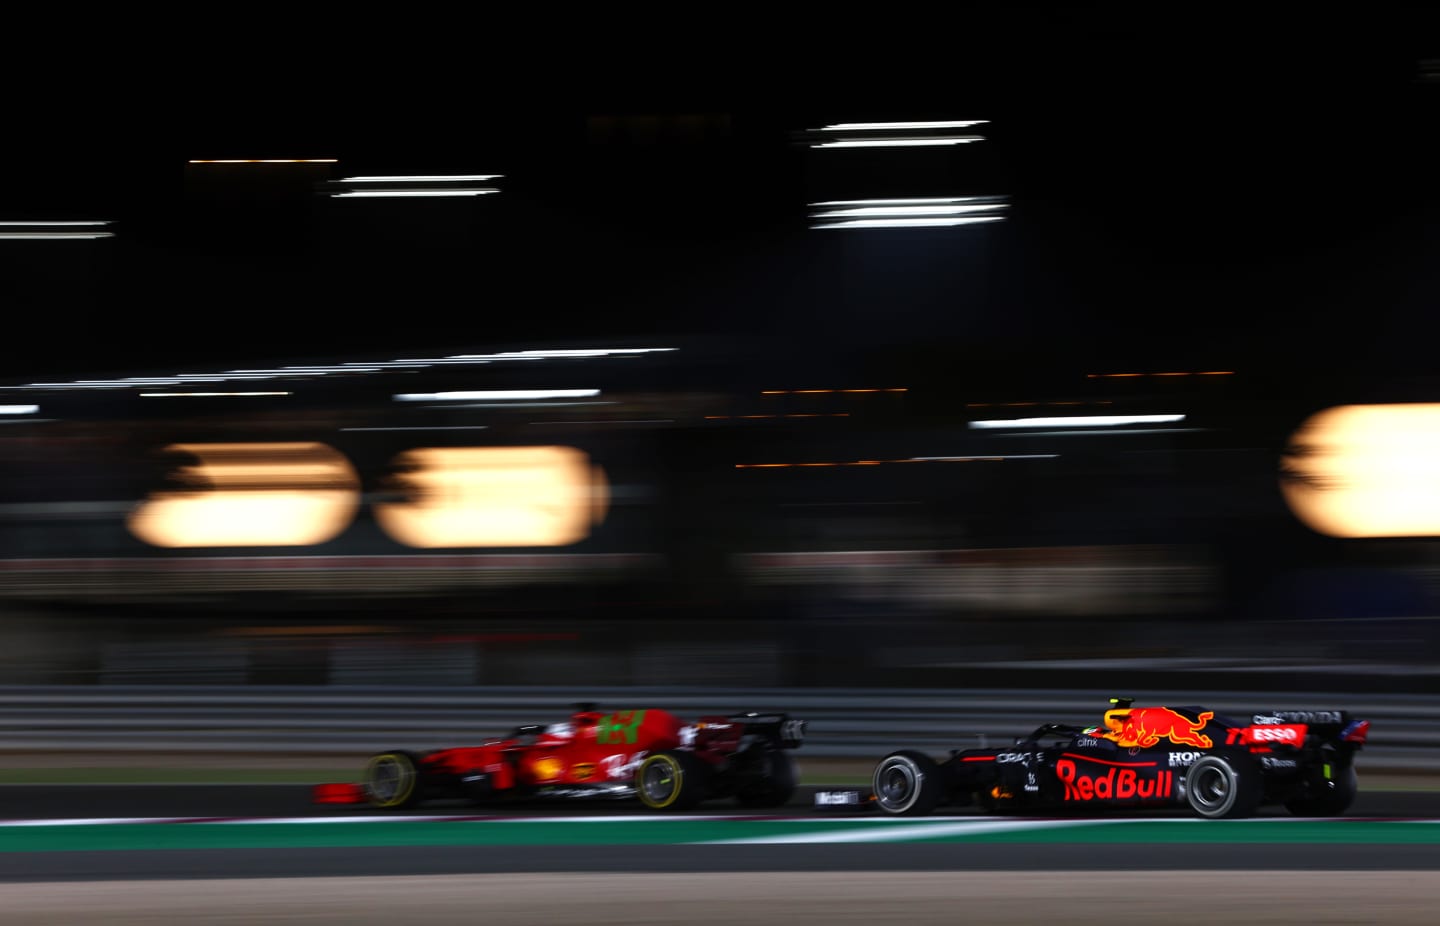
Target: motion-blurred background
1048	349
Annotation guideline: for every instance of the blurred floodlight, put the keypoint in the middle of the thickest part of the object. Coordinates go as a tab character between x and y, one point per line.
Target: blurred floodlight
347	368
40	231
395	194
410	185
246	495
494	497
903	134
915	201
424	178
900	211
914	212
206	395
1077	421
891	126
1367	471
908	223
899	142
496	394
563	353
19	409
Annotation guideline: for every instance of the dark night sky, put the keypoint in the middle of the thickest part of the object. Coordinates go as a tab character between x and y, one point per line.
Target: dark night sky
1213	190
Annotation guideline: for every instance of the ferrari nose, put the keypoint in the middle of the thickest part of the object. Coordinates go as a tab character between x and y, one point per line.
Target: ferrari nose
337	793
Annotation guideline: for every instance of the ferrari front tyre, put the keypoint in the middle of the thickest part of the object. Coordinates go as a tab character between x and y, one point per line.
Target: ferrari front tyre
392	780
671	781
1336	799
908	783
775	785
1224	785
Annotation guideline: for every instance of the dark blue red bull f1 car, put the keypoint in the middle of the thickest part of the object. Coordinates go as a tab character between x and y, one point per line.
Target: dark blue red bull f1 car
1218	766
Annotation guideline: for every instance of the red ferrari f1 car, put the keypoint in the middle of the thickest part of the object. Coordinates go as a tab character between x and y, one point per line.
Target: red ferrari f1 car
649	753
1217	766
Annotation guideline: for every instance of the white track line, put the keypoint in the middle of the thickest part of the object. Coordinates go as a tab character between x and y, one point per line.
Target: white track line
903	832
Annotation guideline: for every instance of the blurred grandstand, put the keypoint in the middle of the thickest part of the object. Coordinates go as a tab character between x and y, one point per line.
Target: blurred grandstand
750	530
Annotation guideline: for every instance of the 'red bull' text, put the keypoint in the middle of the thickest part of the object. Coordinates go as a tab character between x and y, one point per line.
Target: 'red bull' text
1122	783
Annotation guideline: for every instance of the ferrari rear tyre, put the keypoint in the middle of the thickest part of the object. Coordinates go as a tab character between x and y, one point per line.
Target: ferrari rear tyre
1224	785
672	781
392	780
1331	802
776	784
907	783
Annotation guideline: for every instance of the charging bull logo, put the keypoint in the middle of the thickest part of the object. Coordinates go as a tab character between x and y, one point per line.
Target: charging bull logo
1147	726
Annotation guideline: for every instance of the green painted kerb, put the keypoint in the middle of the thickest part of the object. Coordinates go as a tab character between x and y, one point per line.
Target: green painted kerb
124	836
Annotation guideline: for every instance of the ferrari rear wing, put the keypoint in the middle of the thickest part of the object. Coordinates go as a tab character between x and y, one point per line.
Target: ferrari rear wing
787	732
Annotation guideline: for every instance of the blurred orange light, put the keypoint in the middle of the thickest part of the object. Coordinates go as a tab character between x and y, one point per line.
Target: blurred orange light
495	497
1367	471
245	495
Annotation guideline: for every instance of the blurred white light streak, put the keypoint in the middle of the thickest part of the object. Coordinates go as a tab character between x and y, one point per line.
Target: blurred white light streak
560	353
423	178
154	380
104	385
911	210
19	409
882	126
208	395
394	194
440	361
908	223
1079	421
899	142
499	394
919	201
315	370
59	235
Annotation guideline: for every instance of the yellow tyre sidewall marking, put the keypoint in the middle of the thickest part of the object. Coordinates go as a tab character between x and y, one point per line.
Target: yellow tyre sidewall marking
675	773
406	785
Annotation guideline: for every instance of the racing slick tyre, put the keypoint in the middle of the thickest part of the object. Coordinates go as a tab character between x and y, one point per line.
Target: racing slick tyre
775	786
1329	803
908	783
392	780
672	781
1224	785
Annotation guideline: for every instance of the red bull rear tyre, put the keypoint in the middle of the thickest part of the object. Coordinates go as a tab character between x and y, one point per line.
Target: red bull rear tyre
1224	785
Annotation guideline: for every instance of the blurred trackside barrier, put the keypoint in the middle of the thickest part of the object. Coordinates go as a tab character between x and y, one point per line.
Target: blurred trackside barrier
843	723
